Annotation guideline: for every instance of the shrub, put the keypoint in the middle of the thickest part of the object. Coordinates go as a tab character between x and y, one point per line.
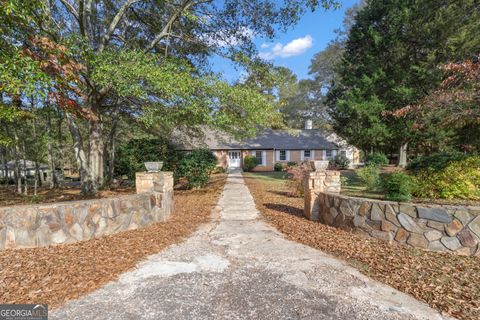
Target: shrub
458	180
376	158
434	162
370	176
196	167
295	178
219	169
250	162
340	162
131	155
344	181
278	167
292	164
398	186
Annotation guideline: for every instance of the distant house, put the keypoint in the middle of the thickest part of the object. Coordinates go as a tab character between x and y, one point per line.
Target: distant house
352	153
27	168
269	146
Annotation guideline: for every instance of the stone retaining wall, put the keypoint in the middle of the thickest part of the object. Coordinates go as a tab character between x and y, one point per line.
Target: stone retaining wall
434	227
56	223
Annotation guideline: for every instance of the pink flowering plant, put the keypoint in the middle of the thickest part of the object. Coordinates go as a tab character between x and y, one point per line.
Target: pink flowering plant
295	176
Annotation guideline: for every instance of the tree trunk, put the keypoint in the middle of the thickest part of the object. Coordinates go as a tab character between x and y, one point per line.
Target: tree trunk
17	173
61	160
111	152
25	171
4	164
89	187
37	178
402	158
96	150
52	179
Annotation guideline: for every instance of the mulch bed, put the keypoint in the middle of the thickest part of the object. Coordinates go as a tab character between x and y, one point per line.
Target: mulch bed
448	283
56	274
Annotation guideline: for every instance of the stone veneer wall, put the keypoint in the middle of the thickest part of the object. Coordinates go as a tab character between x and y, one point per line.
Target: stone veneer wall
56	223
433	227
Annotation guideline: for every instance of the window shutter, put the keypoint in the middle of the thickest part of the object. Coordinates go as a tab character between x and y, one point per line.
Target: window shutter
302	155
324	156
264	158
277	155
288	155
312	154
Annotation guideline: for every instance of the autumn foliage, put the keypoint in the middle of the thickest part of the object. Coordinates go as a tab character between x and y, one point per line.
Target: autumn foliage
457	97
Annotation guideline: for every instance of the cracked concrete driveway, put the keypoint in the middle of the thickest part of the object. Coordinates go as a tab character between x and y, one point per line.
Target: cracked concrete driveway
238	267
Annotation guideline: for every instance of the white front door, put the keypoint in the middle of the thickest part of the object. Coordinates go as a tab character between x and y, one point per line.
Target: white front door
234	159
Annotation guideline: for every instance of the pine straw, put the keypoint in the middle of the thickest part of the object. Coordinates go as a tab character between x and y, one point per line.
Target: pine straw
56	274
448	283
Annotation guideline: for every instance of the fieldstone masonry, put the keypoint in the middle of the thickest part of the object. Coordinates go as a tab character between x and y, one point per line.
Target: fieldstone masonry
56	223
434	227
316	182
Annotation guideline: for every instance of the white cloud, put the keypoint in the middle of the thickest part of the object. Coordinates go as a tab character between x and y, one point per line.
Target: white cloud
221	39
264	45
293	48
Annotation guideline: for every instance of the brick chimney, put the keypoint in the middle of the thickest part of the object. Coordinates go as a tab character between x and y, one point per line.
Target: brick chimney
308	124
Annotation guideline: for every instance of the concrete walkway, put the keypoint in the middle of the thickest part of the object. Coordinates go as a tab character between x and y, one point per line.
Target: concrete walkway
238	267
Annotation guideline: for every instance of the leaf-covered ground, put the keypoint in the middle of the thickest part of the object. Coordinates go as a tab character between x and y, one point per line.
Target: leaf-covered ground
9	196
446	282
56	274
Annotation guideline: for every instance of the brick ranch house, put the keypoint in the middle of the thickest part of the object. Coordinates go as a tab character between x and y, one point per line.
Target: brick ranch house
269	146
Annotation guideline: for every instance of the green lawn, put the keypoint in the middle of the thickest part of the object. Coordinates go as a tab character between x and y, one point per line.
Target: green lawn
271	176
355	187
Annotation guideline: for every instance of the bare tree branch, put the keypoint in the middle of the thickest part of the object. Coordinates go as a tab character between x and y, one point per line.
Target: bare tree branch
185	6
70	9
113	25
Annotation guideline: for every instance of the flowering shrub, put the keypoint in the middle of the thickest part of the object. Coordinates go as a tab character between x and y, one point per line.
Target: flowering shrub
295	178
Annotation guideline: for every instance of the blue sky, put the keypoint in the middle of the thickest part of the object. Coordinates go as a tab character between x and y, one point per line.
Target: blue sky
295	48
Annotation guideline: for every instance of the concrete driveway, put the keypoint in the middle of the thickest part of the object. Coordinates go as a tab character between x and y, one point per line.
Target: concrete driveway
238	267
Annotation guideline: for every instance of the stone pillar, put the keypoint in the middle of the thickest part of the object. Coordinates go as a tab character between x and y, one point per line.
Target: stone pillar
315	183
154	181
160	185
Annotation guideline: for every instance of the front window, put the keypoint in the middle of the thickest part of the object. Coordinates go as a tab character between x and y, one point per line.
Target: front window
329	154
283	155
259	156
307	154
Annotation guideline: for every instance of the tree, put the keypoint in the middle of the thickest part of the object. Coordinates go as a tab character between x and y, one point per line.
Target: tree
455	103
390	61
146	58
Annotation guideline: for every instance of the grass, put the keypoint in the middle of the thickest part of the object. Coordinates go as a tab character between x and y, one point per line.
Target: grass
272	176
448	283
356	188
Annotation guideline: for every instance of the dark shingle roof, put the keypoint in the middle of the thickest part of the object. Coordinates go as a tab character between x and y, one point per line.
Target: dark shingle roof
267	139
297	139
